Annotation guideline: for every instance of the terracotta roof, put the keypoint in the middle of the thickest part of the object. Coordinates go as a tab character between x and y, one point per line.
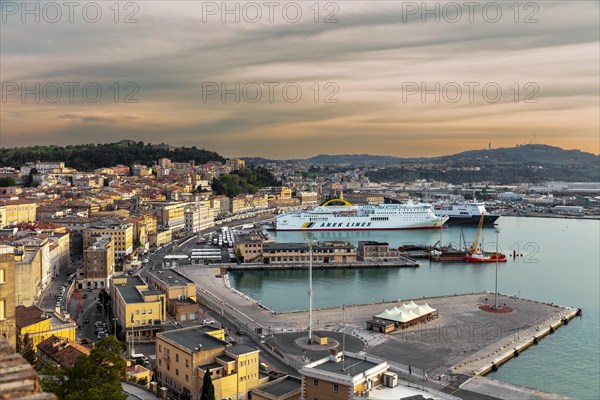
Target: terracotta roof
25	316
62	351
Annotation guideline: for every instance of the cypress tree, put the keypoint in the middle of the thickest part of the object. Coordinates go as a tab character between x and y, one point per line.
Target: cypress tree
208	390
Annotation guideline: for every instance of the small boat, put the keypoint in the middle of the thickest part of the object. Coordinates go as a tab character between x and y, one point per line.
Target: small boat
477	256
485	257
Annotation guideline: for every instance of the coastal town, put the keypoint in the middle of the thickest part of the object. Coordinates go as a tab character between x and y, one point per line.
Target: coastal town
142	253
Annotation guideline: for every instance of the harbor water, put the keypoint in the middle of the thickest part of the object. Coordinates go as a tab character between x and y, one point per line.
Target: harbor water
559	262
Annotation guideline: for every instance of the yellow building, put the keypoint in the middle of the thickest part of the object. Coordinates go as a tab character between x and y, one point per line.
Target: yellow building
161	237
41	325
7	295
184	355
122	235
170	215
180	292
138	372
18	211
248	202
139	310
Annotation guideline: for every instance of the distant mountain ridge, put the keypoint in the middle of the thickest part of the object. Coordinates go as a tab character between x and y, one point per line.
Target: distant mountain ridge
535	153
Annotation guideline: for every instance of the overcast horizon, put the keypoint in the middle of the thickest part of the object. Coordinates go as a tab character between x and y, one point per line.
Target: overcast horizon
294	79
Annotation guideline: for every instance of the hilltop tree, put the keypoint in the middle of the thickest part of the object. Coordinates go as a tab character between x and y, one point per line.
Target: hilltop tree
208	389
8	181
242	181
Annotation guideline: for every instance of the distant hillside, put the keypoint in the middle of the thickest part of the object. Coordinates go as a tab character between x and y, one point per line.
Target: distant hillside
532	153
527	163
86	157
356	159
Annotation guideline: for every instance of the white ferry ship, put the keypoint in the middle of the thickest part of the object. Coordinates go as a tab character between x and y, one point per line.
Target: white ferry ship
465	213
338	214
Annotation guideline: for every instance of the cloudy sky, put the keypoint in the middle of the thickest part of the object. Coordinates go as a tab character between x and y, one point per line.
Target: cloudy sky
295	79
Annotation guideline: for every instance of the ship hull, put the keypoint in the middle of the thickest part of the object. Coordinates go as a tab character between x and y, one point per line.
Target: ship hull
357	229
488	219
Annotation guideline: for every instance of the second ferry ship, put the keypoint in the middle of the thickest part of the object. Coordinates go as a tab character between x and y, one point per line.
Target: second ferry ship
338	214
467	212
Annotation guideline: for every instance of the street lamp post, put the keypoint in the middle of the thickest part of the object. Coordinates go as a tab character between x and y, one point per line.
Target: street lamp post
496	292
310	290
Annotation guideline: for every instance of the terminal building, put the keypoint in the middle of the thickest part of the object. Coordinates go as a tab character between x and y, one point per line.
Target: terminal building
376	251
408	314
259	251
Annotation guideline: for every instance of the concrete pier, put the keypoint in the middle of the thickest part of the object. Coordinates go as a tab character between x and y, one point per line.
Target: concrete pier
464	341
402	262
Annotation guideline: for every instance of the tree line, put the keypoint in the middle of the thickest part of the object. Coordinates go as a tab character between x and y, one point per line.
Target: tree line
87	157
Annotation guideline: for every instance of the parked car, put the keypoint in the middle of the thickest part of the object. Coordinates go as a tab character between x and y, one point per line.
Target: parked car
208	321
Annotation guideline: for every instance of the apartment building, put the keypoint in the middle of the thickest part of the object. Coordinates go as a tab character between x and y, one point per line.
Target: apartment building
7	295
32	268
121	233
17	211
235	163
185	355
170	215
60	252
198	217
98	262
221	204
141	170
180	293
160	237
308	198
248	202
138	309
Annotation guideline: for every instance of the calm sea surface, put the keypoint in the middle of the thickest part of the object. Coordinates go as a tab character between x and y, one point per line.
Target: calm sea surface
560	264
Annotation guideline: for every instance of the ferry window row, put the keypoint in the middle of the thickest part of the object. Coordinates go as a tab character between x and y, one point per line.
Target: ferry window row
380	218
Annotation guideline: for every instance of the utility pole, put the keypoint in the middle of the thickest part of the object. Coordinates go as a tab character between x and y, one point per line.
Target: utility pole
496	294
343	336
310	289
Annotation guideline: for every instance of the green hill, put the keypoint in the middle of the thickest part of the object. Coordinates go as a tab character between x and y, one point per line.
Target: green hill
87	157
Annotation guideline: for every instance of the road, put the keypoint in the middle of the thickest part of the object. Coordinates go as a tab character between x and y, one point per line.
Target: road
48	297
184	246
